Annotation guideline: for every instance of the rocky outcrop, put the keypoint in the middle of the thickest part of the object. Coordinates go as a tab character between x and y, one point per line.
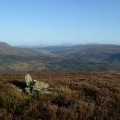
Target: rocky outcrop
34	86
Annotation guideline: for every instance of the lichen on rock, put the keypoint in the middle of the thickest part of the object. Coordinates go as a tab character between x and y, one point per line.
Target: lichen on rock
35	85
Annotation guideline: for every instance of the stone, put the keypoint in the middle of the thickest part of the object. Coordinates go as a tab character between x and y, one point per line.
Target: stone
40	85
27	90
35	85
28	79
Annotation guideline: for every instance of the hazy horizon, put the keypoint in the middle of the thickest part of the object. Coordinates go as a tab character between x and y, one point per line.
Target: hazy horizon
45	22
53	45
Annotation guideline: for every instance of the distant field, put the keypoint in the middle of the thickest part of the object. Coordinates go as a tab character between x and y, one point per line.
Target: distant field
91	96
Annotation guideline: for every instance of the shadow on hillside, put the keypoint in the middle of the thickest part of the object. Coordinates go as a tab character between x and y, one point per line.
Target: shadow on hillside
18	84
91	94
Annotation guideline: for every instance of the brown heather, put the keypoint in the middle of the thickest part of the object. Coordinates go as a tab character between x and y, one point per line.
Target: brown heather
90	96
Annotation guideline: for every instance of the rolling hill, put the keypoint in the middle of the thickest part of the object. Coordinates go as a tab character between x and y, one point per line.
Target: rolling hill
60	58
100	57
6	49
14	59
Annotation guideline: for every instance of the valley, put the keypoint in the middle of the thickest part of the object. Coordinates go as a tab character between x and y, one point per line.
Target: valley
60	58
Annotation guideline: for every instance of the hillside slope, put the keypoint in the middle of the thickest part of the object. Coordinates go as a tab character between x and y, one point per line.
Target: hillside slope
60	58
85	57
6	49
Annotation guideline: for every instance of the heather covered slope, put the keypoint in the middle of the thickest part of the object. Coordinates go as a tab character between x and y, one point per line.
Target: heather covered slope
90	96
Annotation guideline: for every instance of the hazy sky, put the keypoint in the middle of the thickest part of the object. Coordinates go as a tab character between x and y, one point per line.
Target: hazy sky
33	22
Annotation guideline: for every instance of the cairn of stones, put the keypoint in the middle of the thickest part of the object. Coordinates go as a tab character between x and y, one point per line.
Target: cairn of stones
35	86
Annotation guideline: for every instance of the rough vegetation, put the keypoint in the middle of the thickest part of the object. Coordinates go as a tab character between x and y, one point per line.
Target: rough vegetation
83	96
35	86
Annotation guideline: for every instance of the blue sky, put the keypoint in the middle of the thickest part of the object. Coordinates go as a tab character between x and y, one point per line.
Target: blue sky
50	22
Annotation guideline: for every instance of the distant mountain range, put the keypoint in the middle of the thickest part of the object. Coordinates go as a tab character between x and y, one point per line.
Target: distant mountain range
60	58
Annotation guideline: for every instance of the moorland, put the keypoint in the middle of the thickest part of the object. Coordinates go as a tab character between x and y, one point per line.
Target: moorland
85	82
87	96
